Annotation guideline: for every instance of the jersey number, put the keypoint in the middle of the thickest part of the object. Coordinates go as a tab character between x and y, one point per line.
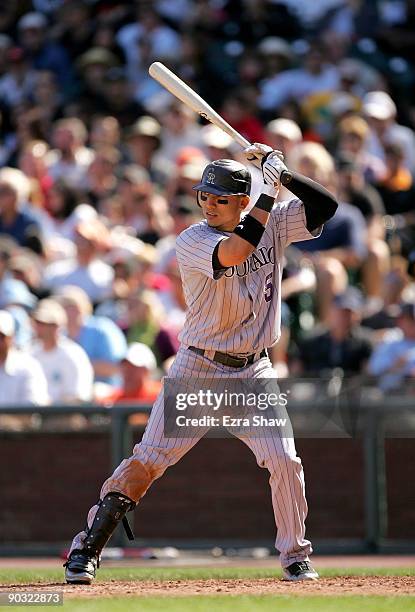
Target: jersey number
268	288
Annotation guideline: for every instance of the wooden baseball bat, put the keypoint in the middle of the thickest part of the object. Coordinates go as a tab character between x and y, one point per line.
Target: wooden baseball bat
183	92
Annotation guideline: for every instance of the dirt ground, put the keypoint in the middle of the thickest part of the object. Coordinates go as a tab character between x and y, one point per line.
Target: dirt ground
335	586
347	585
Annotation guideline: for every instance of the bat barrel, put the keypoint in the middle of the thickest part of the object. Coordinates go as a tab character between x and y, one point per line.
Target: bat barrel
183	92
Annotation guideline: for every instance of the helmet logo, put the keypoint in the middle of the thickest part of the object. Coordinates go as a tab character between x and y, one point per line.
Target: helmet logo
211	178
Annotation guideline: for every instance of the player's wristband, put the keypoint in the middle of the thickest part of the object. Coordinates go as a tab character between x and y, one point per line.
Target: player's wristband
250	229
265	202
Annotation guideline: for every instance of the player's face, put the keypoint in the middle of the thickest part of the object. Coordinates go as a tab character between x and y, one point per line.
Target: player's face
222	212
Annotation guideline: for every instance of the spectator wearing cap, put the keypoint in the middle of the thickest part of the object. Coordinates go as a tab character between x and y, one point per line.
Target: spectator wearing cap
70	158
138	385
17	84
92	66
65	364
380	111
118	98
87	271
143	140
17	220
342	344
353	132
393	360
22	381
217	143
44	54
101	339
276	56
283	134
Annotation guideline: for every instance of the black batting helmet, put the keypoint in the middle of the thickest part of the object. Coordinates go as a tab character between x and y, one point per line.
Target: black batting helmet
225	177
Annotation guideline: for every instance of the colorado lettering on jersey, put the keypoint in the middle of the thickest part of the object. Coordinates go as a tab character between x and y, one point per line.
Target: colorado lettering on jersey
258	259
236	311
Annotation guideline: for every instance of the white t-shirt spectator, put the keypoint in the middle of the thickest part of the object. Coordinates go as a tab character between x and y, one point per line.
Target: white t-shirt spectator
171	144
296	84
22	381
163	41
74	172
95	279
68	371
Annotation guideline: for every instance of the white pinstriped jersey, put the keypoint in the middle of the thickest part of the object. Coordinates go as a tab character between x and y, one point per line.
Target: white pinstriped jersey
237	310
238	313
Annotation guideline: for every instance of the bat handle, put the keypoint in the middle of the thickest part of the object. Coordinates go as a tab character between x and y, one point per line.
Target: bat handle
286	177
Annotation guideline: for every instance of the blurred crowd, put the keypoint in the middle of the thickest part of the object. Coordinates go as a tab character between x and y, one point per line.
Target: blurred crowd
98	162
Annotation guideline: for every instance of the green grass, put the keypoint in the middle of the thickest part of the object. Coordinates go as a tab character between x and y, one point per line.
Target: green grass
240	603
25	576
216	602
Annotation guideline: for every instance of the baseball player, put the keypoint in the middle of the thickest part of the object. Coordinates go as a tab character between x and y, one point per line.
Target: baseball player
231	265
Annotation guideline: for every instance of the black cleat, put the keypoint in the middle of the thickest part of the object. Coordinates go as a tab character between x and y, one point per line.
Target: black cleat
80	568
300	570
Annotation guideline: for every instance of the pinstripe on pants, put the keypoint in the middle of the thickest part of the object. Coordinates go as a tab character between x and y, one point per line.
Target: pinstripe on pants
156	453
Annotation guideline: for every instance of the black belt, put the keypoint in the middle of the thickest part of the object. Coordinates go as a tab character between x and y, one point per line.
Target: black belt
230	360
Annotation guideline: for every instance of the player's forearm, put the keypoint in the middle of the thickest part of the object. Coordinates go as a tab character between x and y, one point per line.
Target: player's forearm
263	207
319	204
